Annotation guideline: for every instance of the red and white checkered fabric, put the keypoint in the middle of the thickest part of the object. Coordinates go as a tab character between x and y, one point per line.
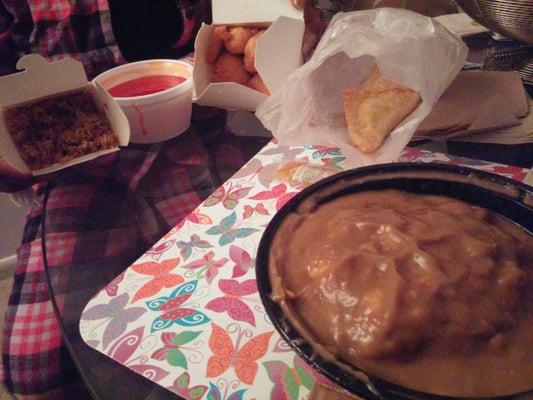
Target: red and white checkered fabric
168	182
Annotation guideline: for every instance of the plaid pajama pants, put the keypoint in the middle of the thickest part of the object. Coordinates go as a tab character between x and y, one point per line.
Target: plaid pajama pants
170	179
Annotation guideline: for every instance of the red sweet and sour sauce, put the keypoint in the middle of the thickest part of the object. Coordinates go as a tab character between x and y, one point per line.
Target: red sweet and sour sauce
145	85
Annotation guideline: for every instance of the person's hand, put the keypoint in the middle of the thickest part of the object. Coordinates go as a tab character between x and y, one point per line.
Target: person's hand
314	26
12	180
299	4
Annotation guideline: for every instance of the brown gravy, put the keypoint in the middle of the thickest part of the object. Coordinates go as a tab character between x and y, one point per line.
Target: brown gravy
424	291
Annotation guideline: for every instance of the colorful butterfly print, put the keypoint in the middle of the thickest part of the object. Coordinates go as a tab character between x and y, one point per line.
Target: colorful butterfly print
174	309
196	218
278	192
186	248
516	173
215	394
112	288
410	154
181	388
116	316
480	164
208	265
241	258
232	302
161	277
287	152
171	351
125	347
264	173
229	199
227	232
333	163
287	381
93	343
323	151
281	346
156	251
250	168
259	209
170	233
227	355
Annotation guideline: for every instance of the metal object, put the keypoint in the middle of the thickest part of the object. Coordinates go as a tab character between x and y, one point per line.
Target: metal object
511	18
511	56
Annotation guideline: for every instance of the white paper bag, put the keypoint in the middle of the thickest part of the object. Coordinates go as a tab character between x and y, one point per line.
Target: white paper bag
408	47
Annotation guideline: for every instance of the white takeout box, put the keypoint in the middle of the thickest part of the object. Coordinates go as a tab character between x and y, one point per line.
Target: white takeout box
40	80
278	51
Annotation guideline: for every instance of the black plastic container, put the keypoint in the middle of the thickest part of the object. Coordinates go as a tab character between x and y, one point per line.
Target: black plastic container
506	197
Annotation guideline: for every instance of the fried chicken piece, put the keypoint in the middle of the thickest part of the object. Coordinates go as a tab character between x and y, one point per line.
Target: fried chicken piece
230	68
375	109
237	38
249	53
216	44
257	83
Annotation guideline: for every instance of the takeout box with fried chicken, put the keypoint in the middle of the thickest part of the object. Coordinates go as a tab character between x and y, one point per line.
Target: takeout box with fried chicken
246	53
51	117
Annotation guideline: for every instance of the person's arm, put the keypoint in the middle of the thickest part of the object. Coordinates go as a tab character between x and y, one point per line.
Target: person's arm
12	180
7	59
299	4
315	25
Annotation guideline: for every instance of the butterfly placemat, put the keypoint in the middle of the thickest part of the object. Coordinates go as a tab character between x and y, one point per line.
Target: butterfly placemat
187	314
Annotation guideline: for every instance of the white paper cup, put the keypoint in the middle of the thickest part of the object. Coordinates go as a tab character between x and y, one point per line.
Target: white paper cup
158	116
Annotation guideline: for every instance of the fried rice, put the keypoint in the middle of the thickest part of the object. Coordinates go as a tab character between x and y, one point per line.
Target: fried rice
58	129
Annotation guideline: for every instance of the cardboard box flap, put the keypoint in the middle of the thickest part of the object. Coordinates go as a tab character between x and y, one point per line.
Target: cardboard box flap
40	79
252	11
8	149
229	95
201	73
114	114
272	69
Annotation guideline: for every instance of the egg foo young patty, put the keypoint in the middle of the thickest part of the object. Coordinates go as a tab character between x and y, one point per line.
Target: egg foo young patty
58	129
425	291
